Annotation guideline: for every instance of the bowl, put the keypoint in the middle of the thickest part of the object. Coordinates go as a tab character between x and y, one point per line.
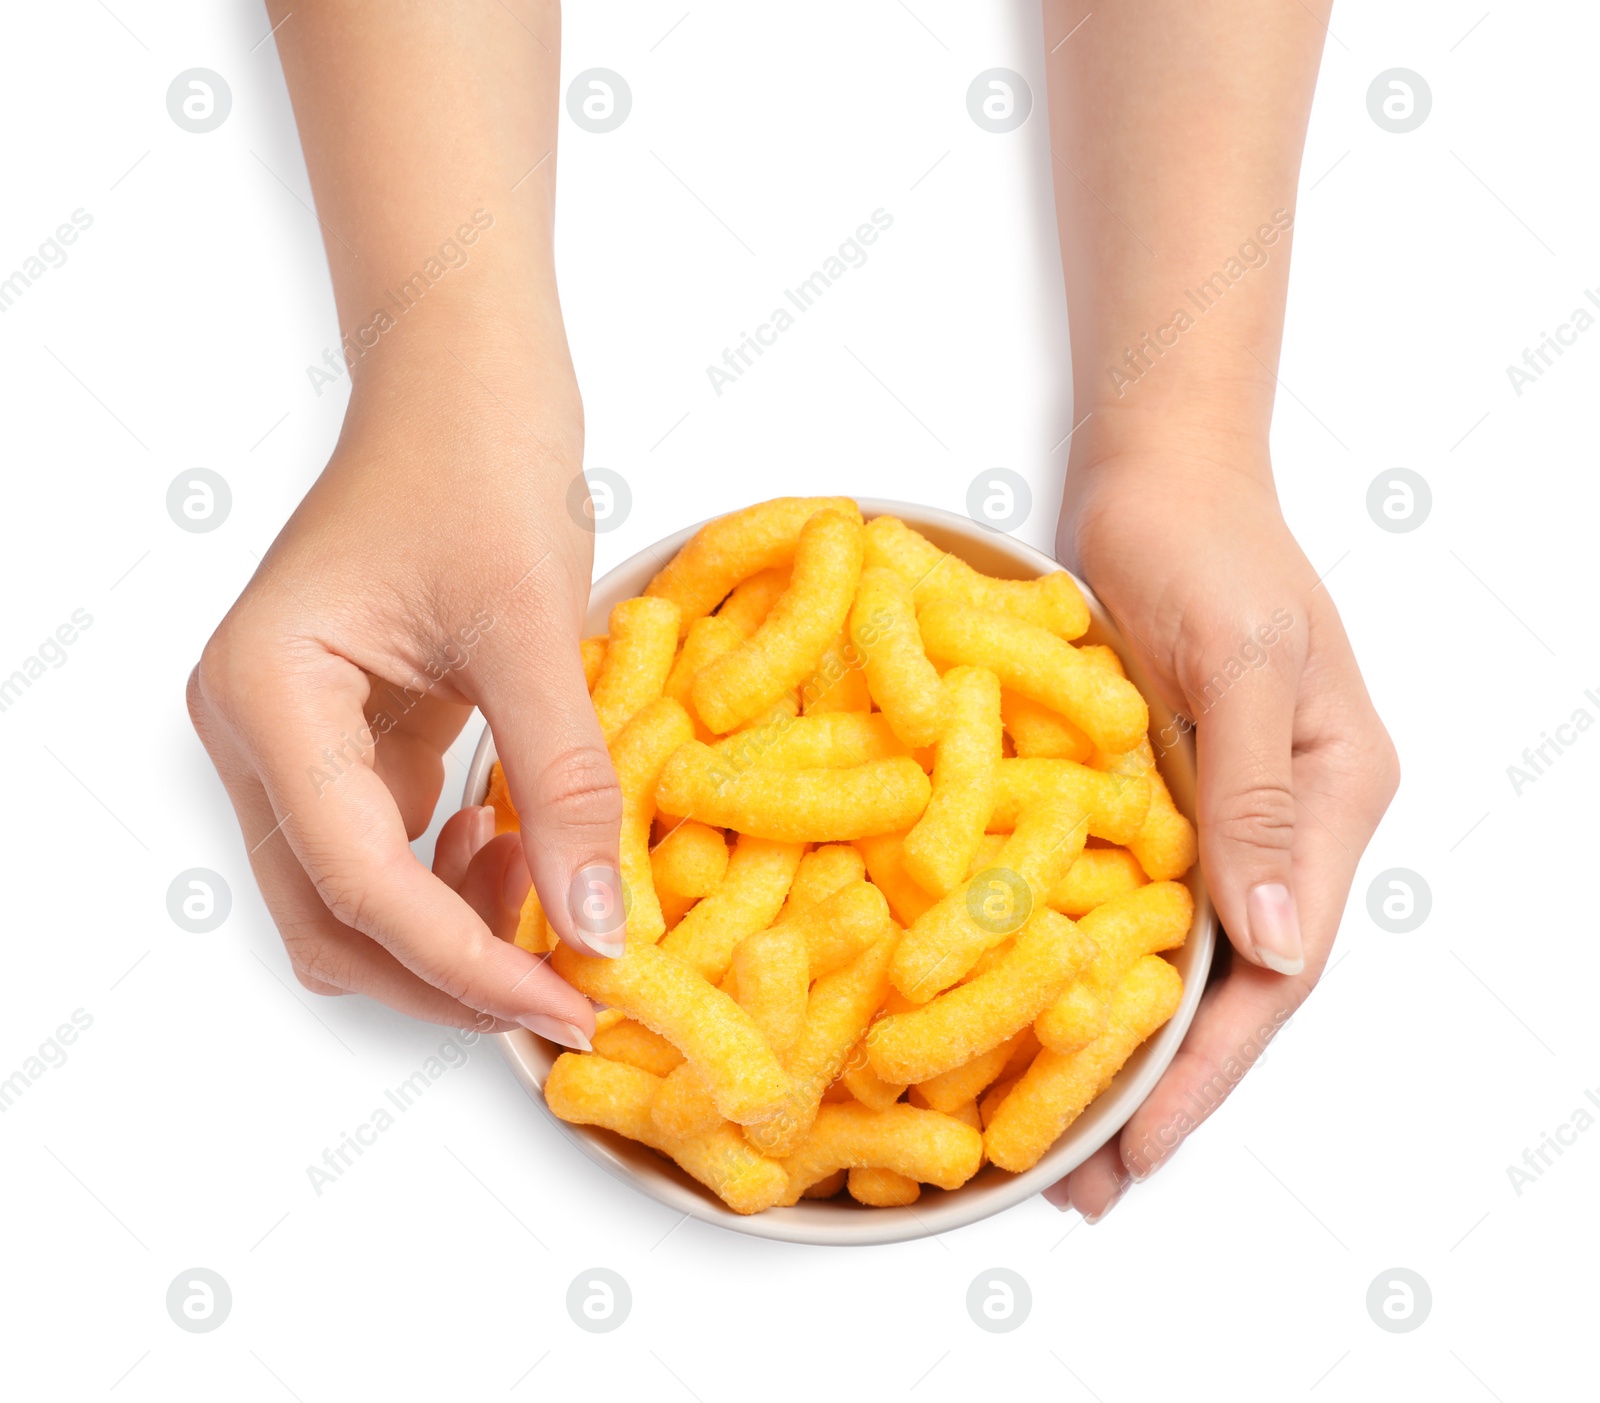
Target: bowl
841	1221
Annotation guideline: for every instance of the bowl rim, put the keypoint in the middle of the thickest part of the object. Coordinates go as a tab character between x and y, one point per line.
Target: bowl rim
829	1222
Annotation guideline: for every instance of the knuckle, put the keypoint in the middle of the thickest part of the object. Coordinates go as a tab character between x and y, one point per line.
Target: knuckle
578	788
1259	816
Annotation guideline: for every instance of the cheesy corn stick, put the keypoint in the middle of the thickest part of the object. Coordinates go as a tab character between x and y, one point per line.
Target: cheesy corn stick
993	1099
796	806
838	684
748	606
972	1018
883	855
1153	918
587	1090
1053	1092
772	971
697	1018
925	1146
866	1085
830	1187
883	625
882	1188
633	1043
638	660
837	1014
806	618
829	740
1166	845
683	1106
966	760
638	755
822	872
836	930
949	938
735	547
952	1088
1053	601
1115	803
1039	733
1035	662
1098	876
709	638
687	864
747	899
594	656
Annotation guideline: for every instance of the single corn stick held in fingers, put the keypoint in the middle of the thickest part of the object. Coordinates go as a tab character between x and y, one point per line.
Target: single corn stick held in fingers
710	1029
797	806
983	1013
734	547
747	899
1052	601
638	660
584	1089
924	1146
785	650
1054	1091
950	937
1153	918
638	755
883	625
1035	662
966	760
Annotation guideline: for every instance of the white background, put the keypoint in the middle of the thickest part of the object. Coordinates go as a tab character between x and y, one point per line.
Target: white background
1378	1131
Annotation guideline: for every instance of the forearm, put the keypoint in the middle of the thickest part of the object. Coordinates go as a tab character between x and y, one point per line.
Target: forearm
429	134
1177	131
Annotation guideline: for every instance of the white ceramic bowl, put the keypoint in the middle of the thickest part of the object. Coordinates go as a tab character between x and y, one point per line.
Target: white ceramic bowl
841	1221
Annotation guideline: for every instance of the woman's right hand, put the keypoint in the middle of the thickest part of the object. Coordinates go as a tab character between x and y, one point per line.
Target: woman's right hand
433	567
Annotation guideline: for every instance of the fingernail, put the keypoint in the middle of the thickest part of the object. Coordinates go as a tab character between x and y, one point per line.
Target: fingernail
482	828
595	901
1091	1220
1274	928
1056	1197
567	1034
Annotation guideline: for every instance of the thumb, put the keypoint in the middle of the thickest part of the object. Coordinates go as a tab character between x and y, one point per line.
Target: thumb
530	685
1245	735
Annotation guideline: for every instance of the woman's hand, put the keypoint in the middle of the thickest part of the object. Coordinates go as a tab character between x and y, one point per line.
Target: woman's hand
1191	555
434	566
